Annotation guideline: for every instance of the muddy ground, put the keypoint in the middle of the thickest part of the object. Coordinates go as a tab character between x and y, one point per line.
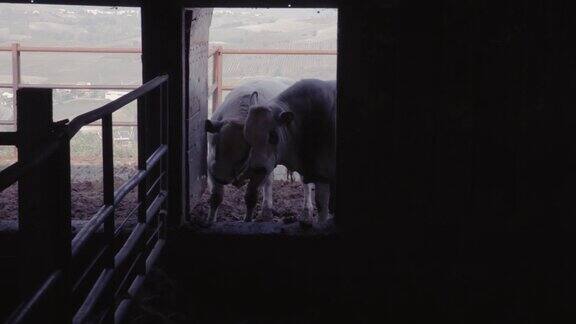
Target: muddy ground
87	197
288	199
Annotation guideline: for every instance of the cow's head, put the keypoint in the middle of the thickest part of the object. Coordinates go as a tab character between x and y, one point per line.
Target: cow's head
261	131
227	151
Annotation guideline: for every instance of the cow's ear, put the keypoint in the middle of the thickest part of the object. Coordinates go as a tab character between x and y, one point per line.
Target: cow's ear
285	117
254	98
213	127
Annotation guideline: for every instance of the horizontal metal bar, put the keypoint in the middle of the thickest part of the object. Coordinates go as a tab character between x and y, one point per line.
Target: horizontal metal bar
100	285
74	126
154	254
8	138
156	183
124	305
100	217
58	49
73	86
116	123
156	156
134	238
96	123
80	86
84	235
122	309
131	272
271	51
88	269
127	186
11	174
21	313
136	284
111	50
135	265
126	219
224	88
107	274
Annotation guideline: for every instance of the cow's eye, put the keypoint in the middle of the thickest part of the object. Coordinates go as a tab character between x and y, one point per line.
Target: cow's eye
273	137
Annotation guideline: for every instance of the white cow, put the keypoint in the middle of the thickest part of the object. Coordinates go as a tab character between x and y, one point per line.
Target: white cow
228	151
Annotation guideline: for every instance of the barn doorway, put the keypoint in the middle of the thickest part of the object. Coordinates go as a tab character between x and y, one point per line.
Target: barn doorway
245	46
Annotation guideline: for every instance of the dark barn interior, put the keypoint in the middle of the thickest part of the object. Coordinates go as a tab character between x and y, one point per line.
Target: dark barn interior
455	160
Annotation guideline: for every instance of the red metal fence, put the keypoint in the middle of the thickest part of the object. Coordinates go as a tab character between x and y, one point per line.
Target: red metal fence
215	89
16	51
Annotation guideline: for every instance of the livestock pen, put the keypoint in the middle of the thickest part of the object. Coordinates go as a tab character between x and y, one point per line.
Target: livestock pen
86	152
93	273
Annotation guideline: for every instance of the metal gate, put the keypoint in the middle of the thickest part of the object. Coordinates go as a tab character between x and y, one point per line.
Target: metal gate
94	275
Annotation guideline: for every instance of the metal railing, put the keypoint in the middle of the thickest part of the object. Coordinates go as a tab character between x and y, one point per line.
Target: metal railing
94	275
16	49
217	54
215	90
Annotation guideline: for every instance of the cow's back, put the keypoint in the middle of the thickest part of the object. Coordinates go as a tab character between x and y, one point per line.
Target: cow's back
236	104
313	103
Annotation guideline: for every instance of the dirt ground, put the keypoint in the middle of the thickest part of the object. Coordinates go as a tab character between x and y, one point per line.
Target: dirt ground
87	194
288	199
87	197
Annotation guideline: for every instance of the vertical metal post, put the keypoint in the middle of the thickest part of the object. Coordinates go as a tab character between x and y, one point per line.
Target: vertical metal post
15	85
44	202
164	161
142	186
108	177
217	78
108	181
142	156
15	79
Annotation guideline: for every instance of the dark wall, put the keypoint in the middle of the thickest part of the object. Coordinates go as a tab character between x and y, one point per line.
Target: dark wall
455	169
456	159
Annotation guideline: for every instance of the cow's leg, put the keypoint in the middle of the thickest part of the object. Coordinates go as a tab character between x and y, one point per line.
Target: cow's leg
267	200
307	213
251	196
322	201
216	196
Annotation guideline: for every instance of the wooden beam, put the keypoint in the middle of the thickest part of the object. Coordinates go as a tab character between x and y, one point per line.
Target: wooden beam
162	53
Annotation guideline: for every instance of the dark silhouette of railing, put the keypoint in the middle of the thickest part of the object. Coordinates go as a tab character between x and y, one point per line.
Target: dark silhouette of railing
95	274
